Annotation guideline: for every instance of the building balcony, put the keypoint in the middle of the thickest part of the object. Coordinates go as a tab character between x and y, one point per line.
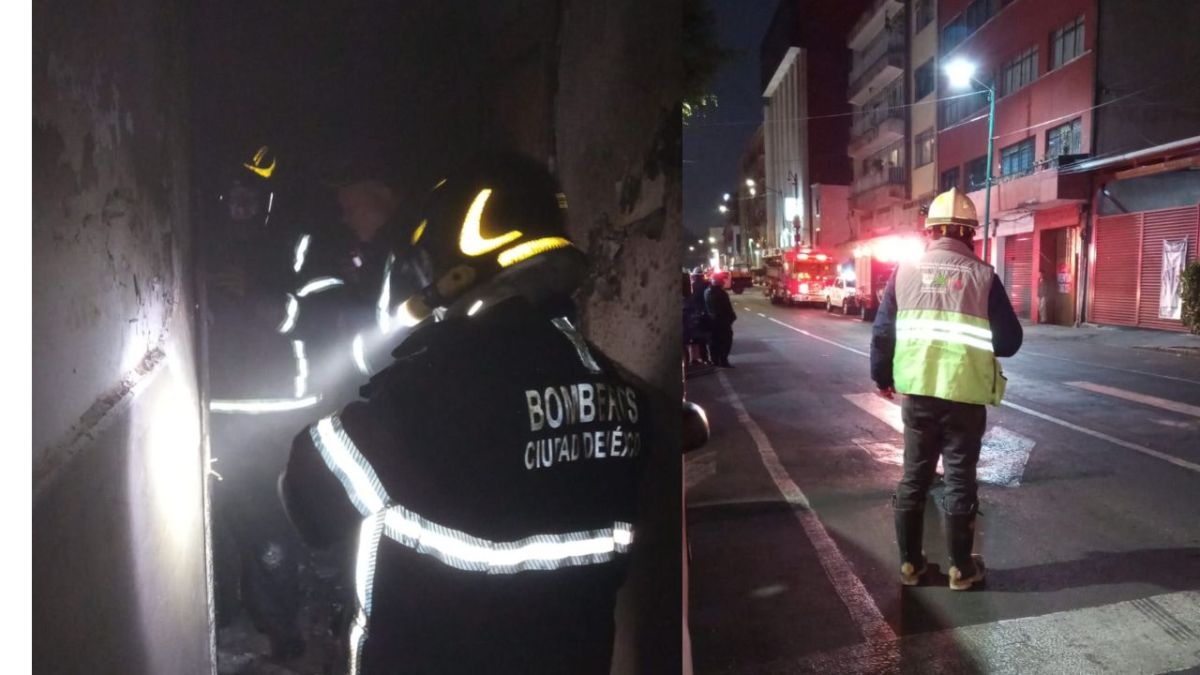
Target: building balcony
1042	186
875	133
876	66
872	21
878	189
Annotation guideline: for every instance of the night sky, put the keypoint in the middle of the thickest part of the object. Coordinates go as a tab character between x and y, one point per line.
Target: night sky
713	145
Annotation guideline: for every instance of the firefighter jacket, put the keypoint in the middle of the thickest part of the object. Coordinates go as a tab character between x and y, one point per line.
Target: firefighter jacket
488	482
943	321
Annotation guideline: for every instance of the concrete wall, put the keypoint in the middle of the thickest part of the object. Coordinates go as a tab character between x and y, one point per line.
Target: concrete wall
618	148
923	115
119	527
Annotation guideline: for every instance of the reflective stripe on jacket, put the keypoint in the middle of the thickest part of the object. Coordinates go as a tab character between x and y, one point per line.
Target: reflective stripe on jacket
943	336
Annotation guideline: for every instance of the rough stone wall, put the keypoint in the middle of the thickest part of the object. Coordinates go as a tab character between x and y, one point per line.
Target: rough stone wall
617	131
119	527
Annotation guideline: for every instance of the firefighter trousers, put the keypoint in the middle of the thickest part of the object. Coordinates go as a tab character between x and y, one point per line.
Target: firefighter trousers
934	428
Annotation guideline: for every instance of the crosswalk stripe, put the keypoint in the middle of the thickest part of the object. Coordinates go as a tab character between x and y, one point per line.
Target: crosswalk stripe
1145	399
1002	459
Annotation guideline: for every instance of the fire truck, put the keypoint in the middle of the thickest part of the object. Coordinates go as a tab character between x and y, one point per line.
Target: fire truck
874	263
800	277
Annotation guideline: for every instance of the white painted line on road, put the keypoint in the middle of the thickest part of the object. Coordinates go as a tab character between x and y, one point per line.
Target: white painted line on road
762	315
817	337
698	468
746	308
1002	458
1105	437
849	587
1165	404
1091	364
1049	418
1156	634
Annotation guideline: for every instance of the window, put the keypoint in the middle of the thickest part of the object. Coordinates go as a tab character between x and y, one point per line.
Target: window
1019	72
924	14
1017	159
949	179
976	173
1065	140
954	33
1066	43
924	149
923	80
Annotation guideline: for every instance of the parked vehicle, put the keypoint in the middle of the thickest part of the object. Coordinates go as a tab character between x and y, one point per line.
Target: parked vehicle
842	294
874	264
740	279
801	278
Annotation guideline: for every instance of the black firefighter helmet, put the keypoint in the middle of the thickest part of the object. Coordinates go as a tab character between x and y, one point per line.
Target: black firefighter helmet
497	215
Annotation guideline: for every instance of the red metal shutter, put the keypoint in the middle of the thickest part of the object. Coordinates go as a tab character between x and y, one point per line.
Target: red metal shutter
1115	276
1164	224
1018	271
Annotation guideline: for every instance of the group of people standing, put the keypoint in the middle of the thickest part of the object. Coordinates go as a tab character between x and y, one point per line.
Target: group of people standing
708	317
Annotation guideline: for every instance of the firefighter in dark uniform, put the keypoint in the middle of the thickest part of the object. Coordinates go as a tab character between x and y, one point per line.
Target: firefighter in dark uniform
944	320
489	476
260	389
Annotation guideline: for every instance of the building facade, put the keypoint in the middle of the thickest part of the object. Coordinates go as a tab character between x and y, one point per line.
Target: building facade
1040	59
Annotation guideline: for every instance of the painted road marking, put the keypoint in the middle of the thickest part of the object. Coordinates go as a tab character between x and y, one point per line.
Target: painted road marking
761	314
1105	437
849	587
1049	418
1002	458
1165	404
699	467
1157	634
817	337
1097	365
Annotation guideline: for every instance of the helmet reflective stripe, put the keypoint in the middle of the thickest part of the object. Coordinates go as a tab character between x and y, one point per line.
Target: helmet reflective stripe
470	239
301	367
255	406
360	358
319	284
301	252
564	324
293	309
452	547
382	316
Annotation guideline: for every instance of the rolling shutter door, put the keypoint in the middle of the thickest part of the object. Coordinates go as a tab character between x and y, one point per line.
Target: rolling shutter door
1115	278
1018	271
1157	226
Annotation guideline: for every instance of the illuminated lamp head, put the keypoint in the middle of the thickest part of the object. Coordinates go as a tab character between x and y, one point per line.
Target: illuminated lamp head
493	229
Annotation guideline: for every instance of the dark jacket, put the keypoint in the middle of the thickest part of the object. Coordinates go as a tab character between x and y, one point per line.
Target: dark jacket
487	430
718	305
1007	333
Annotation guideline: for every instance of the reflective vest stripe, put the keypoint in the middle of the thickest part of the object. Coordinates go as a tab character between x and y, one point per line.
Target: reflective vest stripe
255	406
301	252
360	356
903	323
944	336
454	548
383	317
293	310
317	285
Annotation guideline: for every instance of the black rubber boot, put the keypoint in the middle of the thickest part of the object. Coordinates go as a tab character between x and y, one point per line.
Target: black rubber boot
909	532
966	568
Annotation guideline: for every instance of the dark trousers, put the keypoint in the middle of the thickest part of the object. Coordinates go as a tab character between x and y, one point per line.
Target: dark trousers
721	342
933	428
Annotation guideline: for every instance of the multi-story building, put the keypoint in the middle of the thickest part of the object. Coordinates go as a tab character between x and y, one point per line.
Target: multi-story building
805	128
752	199
1143	181
1040	59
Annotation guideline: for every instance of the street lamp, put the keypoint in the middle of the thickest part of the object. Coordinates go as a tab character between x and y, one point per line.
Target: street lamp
726	196
712	240
723	209
691	248
961	74
749	182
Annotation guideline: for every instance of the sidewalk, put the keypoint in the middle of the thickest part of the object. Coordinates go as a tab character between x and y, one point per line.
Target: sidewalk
1183	344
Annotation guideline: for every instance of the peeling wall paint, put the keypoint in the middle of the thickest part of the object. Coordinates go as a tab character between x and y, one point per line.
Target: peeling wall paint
119	515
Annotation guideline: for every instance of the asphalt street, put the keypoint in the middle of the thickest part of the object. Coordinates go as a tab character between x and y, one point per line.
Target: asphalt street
1090	520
